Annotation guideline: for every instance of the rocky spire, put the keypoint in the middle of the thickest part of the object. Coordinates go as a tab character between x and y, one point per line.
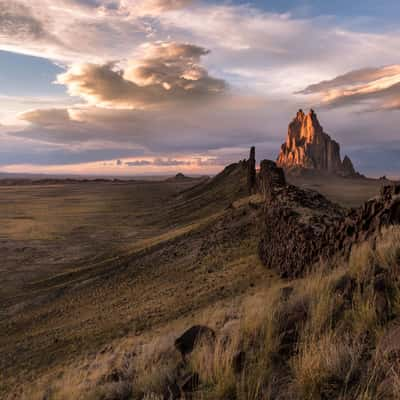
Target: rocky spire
348	167
308	146
251	170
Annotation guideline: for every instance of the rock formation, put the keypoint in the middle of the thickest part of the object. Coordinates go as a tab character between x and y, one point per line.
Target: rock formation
270	178
308	146
365	222
295	222
348	167
302	226
251	171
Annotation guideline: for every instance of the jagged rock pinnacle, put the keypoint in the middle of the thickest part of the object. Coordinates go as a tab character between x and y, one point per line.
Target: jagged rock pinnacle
251	171
308	146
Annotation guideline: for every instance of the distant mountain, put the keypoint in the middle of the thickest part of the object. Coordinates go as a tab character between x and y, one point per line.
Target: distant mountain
307	146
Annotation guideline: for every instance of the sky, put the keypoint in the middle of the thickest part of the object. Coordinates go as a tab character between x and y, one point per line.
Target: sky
148	87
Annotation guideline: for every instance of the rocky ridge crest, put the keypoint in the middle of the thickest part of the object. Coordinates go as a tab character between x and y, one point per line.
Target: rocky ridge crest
302	227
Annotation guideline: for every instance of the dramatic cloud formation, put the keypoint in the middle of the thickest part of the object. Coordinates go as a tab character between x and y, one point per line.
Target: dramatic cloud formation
169	72
375	88
172	81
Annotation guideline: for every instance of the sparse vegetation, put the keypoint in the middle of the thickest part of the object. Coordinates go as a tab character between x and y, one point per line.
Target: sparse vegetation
104	328
318	338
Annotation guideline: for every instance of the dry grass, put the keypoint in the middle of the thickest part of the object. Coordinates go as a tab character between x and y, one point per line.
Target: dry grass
155	365
325	365
329	353
387	251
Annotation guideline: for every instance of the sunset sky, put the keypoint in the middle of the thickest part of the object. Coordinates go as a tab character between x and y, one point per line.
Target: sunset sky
134	87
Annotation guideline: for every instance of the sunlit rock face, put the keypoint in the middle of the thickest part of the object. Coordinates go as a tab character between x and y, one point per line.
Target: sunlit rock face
308	146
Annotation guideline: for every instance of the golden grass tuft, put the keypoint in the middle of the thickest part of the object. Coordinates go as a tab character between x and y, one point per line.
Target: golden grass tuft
325	365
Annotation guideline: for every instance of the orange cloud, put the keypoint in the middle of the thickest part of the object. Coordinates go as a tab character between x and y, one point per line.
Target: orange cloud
379	88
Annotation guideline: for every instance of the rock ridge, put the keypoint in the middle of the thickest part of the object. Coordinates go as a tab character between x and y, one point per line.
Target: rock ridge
302	227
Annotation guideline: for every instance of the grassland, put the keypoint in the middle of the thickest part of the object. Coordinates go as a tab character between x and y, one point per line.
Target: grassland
96	266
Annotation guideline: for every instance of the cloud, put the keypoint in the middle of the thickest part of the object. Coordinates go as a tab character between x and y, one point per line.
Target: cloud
47	117
16	151
131	8
246	64
245	41
19	24
138	163
159	162
374	88
228	121
155	6
169	162
105	4
169	72
279	53
50	29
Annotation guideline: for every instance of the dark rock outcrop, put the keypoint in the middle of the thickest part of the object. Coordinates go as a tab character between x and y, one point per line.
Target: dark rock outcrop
365	222
251	171
186	343
302	226
295	224
270	178
308	146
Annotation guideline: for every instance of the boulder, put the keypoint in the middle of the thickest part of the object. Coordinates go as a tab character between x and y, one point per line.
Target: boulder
238	362
186	343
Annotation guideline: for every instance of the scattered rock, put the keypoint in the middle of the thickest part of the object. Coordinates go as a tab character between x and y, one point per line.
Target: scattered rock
238	362
186	343
345	288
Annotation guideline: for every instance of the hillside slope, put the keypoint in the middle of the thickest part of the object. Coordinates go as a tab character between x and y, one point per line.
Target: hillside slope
202	255
109	330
